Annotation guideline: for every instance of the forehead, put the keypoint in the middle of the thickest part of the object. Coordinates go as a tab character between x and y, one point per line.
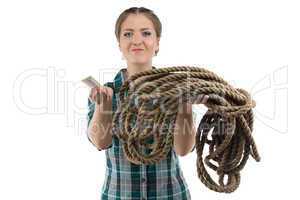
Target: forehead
137	22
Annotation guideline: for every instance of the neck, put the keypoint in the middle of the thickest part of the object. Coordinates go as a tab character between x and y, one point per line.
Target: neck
136	68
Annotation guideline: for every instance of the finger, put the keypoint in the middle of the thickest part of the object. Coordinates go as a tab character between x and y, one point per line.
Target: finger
94	96
111	93
199	99
90	94
102	93
96	92
202	98
107	96
105	93
205	98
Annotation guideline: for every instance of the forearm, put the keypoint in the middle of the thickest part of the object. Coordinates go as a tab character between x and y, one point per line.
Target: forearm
184	133
99	130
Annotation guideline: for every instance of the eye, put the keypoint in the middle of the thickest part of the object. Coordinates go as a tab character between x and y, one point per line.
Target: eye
127	34
146	33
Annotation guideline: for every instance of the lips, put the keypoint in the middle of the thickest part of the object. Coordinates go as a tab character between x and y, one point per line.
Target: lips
135	50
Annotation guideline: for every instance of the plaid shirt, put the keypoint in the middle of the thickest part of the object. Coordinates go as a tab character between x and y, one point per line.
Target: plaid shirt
125	180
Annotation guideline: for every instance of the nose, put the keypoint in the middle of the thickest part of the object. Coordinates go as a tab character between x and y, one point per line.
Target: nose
137	39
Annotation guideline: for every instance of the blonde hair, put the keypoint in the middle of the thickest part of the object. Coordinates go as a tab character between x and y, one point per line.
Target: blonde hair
138	10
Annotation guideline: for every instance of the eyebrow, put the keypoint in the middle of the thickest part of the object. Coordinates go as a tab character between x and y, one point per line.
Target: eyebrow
130	29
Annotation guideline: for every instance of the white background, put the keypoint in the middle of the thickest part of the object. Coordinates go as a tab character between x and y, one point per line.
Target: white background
47	47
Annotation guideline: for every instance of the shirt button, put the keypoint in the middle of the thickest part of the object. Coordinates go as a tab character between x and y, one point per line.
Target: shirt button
143	180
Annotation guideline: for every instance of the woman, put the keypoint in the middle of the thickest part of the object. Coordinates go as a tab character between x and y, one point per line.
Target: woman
138	31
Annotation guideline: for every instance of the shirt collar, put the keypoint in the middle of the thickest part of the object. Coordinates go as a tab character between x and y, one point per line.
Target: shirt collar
121	75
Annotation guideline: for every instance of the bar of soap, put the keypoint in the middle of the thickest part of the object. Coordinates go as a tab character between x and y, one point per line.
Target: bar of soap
91	82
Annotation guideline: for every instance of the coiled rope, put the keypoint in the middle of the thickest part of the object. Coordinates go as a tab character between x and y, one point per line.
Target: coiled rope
146	117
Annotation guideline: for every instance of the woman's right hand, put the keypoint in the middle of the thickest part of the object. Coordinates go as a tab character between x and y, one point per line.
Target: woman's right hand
105	94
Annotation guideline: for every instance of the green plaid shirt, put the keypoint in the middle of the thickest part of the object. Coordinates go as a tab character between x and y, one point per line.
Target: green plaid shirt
125	180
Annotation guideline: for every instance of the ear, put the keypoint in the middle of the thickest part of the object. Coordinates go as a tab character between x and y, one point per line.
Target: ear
158	39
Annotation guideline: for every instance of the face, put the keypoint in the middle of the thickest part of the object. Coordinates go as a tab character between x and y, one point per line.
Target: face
138	40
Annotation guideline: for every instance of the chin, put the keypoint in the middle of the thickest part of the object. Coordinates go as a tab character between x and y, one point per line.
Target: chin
140	61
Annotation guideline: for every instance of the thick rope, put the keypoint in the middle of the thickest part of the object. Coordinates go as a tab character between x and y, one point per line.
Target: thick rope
145	121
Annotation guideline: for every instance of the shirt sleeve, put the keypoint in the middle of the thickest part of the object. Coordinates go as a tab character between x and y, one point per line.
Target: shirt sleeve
90	113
